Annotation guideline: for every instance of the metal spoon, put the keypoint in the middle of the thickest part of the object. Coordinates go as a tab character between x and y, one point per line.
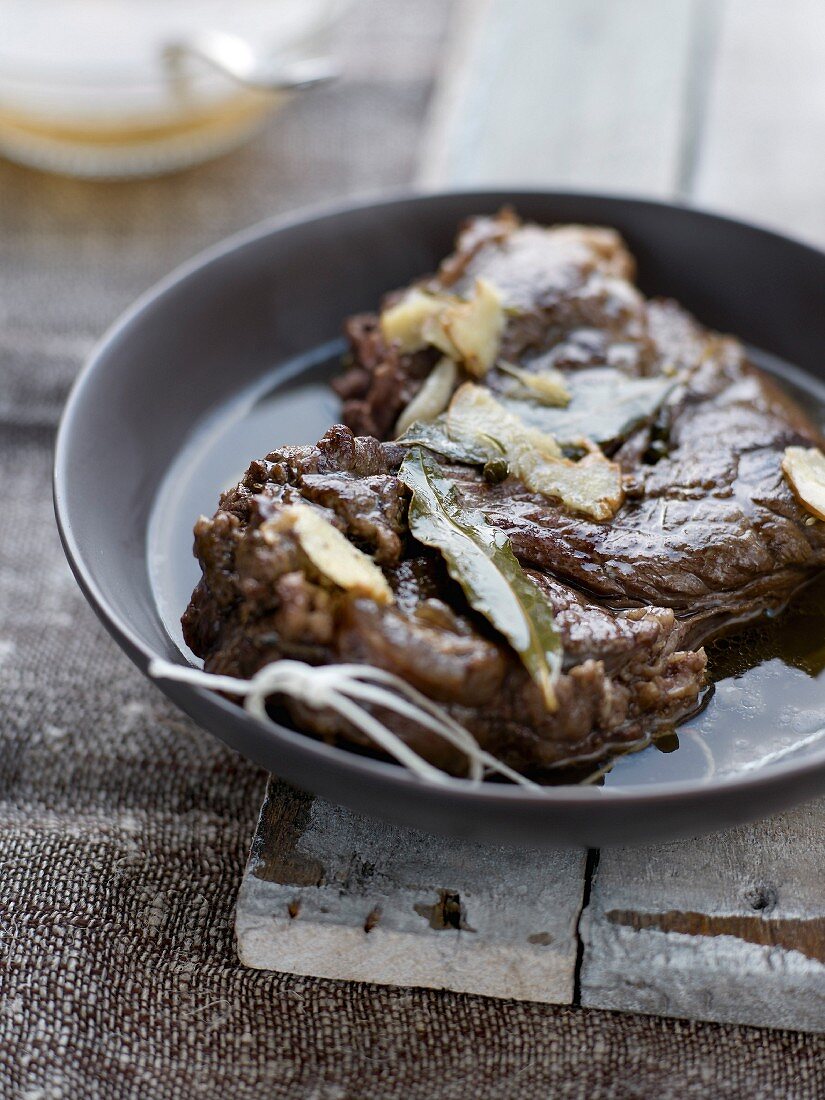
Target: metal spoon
236	59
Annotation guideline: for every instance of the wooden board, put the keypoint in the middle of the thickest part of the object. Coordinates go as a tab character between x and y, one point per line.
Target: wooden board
336	895
718	101
729	927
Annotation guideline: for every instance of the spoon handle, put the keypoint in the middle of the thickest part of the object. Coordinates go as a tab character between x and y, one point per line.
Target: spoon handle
236	59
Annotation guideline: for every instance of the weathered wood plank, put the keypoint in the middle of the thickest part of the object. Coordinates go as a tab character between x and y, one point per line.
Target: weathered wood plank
336	895
730	927
574	93
762	155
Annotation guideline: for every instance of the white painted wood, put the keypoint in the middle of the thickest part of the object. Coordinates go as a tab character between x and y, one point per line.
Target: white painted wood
762	156
340	896
728	927
567	93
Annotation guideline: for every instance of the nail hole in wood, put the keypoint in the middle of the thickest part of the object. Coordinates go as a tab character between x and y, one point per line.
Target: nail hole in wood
448	912
761	896
373	917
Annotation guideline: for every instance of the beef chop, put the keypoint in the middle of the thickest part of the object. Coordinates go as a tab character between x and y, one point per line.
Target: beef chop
709	535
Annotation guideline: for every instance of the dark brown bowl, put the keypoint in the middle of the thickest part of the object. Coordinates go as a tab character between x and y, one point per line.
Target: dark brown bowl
221	323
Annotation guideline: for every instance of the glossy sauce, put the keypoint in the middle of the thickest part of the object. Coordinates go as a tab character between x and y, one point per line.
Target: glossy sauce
767	703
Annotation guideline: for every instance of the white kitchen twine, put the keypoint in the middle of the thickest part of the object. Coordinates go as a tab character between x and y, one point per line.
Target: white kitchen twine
342	688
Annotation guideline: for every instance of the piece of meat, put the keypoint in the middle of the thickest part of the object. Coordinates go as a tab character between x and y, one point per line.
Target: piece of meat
709	535
711	530
625	673
569	292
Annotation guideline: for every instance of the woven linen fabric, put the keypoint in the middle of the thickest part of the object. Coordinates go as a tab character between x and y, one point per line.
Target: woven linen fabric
123	827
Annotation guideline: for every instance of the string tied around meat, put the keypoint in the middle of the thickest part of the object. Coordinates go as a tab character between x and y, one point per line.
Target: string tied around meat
345	689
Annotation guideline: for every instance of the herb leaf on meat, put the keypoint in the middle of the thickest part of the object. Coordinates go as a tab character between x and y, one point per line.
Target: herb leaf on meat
605	406
479	557
433	437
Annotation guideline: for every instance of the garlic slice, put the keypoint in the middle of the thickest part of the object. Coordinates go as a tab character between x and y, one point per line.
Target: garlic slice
403	324
332	554
433	397
474	328
547	386
592	486
466	330
804	470
476	419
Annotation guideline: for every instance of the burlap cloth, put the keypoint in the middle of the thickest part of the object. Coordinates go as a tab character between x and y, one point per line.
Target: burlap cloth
123	827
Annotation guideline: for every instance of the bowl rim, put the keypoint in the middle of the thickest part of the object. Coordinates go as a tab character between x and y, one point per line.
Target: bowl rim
344	760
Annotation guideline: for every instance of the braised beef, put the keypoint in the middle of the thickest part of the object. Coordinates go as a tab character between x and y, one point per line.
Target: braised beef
709	535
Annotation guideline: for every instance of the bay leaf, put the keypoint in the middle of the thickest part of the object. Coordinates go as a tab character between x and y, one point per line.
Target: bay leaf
605	406
433	436
480	558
